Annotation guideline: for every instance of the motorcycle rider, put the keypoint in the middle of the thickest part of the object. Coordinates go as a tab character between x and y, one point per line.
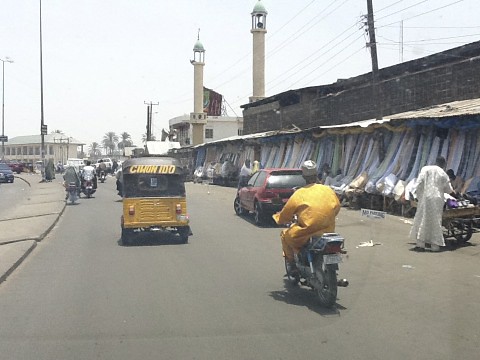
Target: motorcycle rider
71	176
101	167
315	206
89	169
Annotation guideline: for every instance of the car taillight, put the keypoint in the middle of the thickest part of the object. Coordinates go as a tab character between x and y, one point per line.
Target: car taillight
178	209
333	247
131	210
269	194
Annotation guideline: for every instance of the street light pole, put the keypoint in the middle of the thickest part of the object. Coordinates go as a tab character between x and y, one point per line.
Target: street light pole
42	125
3	103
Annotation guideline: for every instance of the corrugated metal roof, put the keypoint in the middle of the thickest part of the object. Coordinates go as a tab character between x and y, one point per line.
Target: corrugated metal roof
451	109
455	108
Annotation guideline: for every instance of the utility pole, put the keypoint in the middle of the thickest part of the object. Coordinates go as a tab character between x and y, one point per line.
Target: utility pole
372	44
149	119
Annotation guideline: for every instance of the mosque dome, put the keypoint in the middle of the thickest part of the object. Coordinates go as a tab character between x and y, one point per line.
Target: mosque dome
259	8
198	46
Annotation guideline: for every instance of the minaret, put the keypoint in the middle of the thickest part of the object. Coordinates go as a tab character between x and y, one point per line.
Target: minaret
259	29
198	118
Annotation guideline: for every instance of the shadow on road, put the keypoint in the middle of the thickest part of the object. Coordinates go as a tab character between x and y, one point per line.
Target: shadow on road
152	239
450	245
304	296
268	223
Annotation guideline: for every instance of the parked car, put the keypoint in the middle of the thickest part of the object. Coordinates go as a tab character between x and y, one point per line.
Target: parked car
16	166
6	174
267	191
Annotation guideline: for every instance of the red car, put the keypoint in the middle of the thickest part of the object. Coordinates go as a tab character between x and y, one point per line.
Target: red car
16	166
267	192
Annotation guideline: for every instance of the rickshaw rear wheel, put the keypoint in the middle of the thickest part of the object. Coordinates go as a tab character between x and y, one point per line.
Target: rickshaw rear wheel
183	232
127	236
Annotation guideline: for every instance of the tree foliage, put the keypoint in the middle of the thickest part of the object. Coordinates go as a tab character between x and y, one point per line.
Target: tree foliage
94	150
110	141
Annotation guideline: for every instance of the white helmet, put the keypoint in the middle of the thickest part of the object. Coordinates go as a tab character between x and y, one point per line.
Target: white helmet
309	168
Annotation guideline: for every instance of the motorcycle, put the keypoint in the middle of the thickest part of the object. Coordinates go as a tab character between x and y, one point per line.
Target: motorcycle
72	192
317	265
87	185
102	176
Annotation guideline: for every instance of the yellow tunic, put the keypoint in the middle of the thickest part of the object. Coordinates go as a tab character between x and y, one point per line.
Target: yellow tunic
316	206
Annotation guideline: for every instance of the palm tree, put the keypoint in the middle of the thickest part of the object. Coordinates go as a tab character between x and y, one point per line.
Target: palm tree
126	141
110	140
94	150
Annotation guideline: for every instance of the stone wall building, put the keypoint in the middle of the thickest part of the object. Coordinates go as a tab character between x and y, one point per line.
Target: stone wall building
444	77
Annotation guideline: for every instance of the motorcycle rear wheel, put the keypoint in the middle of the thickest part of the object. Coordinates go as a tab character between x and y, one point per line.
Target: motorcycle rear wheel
327	294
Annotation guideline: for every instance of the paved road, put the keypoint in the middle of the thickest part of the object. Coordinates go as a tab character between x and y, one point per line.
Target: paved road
81	294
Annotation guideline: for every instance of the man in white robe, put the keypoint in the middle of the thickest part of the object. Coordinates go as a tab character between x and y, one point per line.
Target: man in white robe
432	183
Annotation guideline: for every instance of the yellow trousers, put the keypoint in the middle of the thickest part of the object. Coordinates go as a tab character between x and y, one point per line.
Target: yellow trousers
291	245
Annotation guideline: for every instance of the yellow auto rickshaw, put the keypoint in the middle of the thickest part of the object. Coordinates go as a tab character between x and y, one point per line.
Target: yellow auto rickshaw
154	198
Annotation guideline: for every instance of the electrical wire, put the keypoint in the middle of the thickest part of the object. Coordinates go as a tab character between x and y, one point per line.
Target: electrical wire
311	62
302	31
401	10
329	59
421	14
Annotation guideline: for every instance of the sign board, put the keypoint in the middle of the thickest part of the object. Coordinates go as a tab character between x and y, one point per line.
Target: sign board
43	130
3	138
374	214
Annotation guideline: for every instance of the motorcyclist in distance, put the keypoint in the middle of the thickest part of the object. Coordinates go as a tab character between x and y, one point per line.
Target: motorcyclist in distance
316	207
89	169
101	167
71	176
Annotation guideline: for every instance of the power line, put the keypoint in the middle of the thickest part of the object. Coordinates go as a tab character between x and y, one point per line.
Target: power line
328	60
311	62
336	64
421	14
388	6
437	27
432	39
291	19
399	11
301	31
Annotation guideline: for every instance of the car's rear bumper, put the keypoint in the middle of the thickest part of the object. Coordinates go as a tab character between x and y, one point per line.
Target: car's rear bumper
269	207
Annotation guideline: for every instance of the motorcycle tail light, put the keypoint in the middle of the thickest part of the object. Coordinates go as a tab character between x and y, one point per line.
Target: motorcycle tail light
131	210
178	209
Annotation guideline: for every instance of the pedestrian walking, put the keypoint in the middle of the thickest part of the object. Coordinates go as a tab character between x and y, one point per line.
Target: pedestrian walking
432	183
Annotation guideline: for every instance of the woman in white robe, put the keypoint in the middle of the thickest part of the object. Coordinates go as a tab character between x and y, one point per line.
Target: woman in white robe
432	183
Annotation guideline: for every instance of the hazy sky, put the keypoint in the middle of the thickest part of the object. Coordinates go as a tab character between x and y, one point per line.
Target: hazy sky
102	59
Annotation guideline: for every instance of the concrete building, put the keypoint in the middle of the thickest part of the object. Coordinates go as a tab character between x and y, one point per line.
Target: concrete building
215	128
27	149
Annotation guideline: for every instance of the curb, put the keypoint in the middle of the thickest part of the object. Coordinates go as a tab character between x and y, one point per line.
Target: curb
25	180
46	232
4	276
34	241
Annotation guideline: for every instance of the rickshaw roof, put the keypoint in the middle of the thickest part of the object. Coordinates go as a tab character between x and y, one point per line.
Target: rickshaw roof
153	165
